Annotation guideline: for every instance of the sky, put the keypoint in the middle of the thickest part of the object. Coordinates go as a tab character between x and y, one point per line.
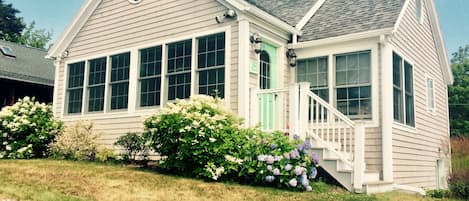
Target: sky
55	15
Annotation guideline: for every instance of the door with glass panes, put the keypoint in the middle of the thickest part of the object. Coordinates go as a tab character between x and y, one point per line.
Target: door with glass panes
267	80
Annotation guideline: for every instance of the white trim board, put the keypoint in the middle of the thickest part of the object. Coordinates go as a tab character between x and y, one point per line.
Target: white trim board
309	14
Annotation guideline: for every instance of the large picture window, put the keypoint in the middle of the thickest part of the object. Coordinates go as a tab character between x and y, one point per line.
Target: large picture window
119	81
211	65
403	91
353	84
150	76
179	70
76	74
96	84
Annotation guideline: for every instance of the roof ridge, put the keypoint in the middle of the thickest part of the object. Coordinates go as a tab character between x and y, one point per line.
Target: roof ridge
21	45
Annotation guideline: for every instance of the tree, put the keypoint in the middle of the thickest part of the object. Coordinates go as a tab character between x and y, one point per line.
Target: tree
10	24
459	93
32	37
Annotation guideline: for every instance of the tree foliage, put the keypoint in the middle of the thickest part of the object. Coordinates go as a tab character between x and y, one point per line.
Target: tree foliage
459	93
32	37
10	24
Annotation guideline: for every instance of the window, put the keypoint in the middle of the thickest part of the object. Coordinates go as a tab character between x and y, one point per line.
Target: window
264	81
150	76
418	10
353	87
96	84
403	100
119	81
179	70
76	73
211	65
315	71
430	95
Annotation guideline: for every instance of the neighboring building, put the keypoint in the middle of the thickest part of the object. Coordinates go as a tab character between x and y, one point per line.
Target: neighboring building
374	76
24	72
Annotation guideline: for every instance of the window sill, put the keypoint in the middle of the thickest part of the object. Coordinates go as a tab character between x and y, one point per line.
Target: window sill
403	127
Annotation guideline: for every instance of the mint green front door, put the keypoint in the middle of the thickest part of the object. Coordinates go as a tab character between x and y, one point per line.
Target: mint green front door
267	80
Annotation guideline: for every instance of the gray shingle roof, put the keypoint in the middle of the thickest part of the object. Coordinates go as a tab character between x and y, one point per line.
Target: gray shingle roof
289	11
28	66
342	17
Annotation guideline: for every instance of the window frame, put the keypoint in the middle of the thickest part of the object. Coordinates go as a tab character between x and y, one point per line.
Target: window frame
358	117
215	67
88	85
403	98
68	89
316	88
176	73
110	82
431	103
133	99
148	77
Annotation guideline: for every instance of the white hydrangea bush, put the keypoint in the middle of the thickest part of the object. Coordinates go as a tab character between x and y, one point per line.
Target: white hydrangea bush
26	128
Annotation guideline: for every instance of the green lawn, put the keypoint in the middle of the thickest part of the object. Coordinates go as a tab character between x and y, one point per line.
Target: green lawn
51	180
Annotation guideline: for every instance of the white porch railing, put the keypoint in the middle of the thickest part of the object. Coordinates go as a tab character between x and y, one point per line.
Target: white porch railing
299	111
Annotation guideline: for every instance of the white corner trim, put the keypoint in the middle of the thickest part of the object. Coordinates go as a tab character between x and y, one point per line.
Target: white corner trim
401	15
243	71
73	28
309	14
440	43
343	38
409	189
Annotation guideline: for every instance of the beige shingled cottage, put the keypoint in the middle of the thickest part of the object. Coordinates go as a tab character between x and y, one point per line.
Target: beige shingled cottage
365	81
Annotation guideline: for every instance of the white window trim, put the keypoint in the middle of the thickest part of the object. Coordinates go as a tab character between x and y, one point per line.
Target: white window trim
349	47
412	63
430	109
134	95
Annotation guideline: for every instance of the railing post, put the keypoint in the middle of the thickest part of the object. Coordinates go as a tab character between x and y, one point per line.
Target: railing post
294	100
254	107
303	109
359	158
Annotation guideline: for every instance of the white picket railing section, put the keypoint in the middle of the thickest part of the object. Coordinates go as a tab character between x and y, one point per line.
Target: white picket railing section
299	111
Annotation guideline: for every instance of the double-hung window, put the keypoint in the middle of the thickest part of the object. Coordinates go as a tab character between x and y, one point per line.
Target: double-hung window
179	69
96	84
211	65
353	84
119	81
150	76
403	91
76	74
315	71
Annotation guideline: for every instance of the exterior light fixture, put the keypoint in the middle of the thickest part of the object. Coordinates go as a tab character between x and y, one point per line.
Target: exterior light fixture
229	14
256	39
291	55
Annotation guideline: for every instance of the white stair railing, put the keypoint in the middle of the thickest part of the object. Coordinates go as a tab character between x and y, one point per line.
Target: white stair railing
299	111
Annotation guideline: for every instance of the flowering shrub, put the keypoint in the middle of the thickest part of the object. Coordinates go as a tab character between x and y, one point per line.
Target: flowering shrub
276	160
78	142
197	137
26	128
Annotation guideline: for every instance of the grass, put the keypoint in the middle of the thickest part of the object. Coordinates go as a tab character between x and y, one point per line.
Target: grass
460	153
65	180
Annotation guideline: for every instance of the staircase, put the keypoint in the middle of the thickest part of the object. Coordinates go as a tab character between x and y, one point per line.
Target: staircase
338	141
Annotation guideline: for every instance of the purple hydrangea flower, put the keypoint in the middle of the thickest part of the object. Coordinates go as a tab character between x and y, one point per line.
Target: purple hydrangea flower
309	188
313	173
269	167
299	170
293	182
276	171
288	167
286	155
315	158
261	157
296	137
269	178
270	159
294	154
273	146
299	147
304	181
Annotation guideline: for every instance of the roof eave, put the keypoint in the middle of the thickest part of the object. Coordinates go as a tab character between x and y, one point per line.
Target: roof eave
73	28
343	38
